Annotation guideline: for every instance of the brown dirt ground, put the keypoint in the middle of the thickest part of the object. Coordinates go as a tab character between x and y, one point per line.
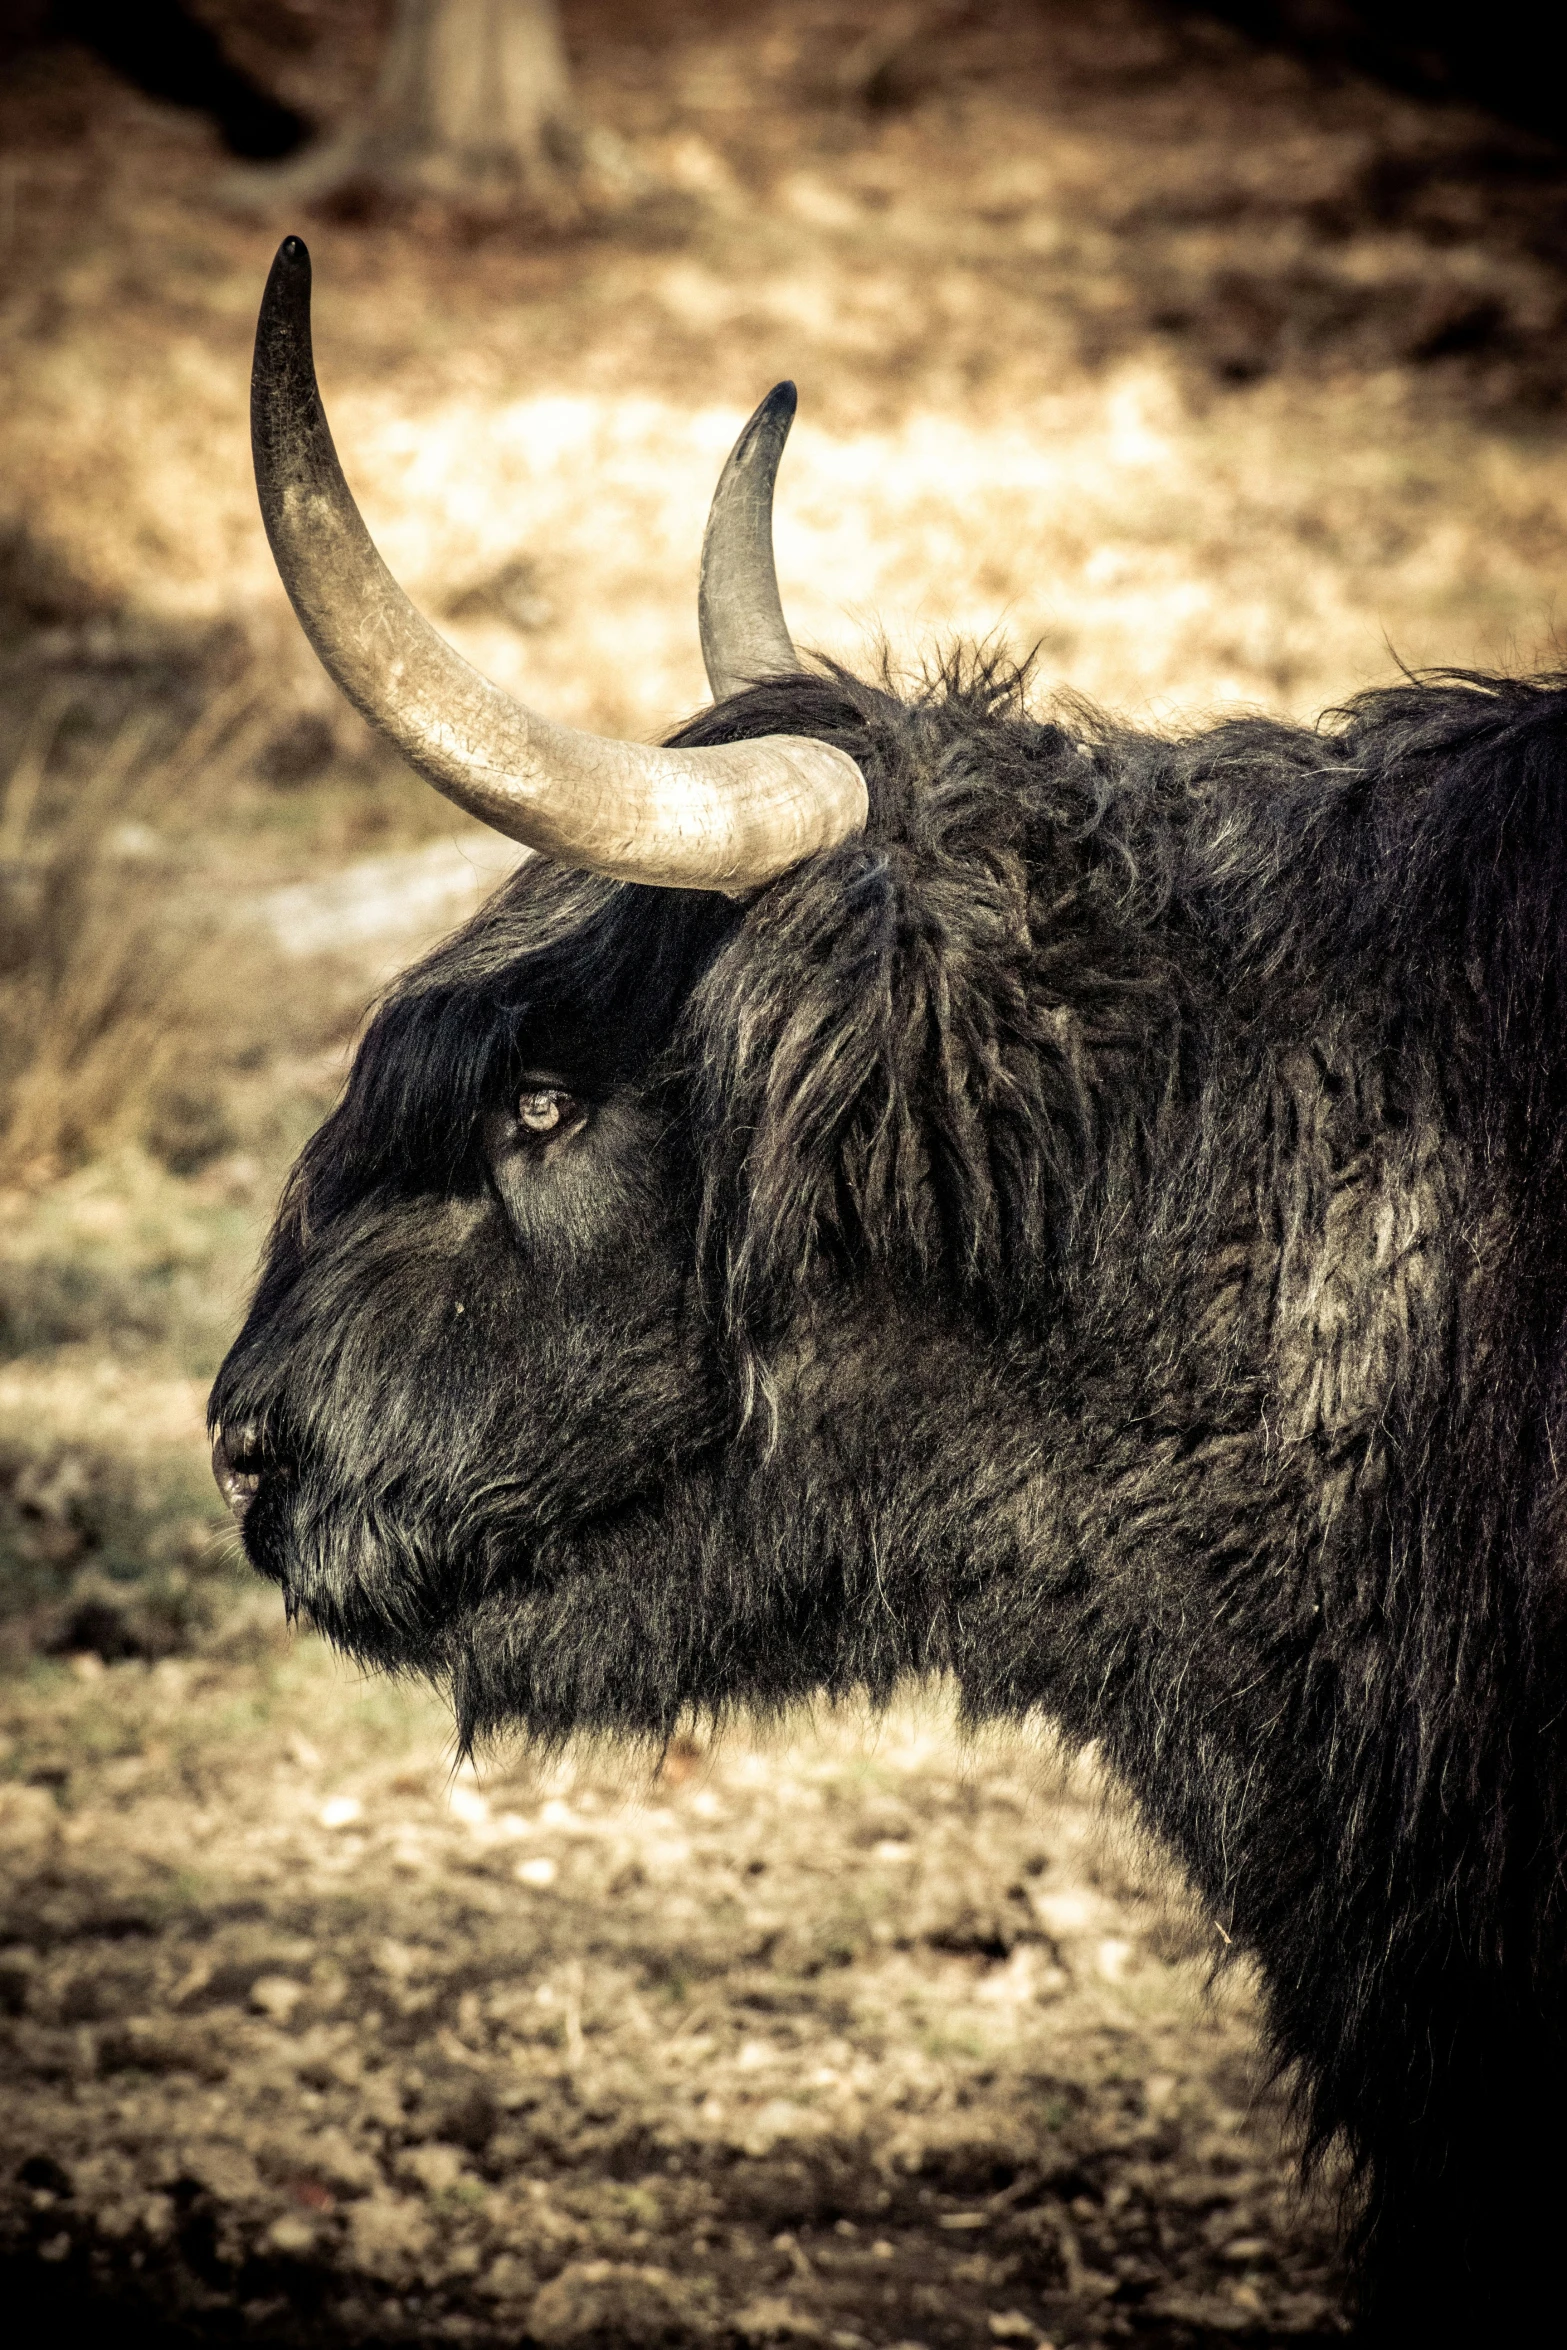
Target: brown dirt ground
1215	377
856	2036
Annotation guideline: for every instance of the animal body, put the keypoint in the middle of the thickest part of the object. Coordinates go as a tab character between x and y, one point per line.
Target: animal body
1090	1222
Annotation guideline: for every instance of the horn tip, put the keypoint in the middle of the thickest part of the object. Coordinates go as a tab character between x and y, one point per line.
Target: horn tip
292	256
767	427
285	305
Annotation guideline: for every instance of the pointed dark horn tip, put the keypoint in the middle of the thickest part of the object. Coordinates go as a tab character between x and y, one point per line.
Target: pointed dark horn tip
283	326
774	415
767	427
288	280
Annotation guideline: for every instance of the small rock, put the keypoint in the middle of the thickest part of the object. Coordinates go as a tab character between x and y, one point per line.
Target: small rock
435	2168
227	2172
292	2235
614	2306
769	2318
1242	2250
276	1996
329	2156
1065	1914
340	1811
780	2118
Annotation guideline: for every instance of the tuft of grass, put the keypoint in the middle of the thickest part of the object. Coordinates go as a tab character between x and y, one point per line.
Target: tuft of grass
121	997
97	1555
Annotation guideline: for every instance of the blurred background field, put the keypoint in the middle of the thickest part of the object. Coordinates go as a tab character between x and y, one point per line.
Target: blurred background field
1212	364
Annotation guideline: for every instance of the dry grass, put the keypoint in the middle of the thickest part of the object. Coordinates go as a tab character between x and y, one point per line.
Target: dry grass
150	990
117	1008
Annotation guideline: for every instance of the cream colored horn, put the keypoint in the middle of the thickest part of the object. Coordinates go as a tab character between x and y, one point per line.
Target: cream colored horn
728	817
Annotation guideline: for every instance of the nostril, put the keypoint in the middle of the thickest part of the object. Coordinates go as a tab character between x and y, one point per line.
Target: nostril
237	1462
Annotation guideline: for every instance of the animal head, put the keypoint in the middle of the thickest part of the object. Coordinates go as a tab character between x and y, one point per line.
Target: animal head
672	1205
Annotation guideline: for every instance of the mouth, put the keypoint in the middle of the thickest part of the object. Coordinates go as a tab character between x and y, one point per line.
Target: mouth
339	1566
237	1464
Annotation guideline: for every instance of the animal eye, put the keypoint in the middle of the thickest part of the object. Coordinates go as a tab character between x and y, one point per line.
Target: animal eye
544	1109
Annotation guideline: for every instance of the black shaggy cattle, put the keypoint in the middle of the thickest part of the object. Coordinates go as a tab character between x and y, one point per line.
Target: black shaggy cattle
1093	1226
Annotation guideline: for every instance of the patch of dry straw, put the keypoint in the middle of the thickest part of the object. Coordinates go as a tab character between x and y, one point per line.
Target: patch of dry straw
115	987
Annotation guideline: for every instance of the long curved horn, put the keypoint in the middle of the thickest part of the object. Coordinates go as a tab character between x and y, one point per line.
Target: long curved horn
740	615
728	817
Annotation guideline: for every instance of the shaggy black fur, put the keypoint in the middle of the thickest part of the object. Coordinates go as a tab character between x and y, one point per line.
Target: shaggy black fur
1100	1234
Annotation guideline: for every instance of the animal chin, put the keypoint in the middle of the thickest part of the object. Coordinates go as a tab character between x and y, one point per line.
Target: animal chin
353	1573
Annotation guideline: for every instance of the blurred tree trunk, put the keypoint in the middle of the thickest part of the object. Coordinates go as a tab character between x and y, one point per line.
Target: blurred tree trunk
473	108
